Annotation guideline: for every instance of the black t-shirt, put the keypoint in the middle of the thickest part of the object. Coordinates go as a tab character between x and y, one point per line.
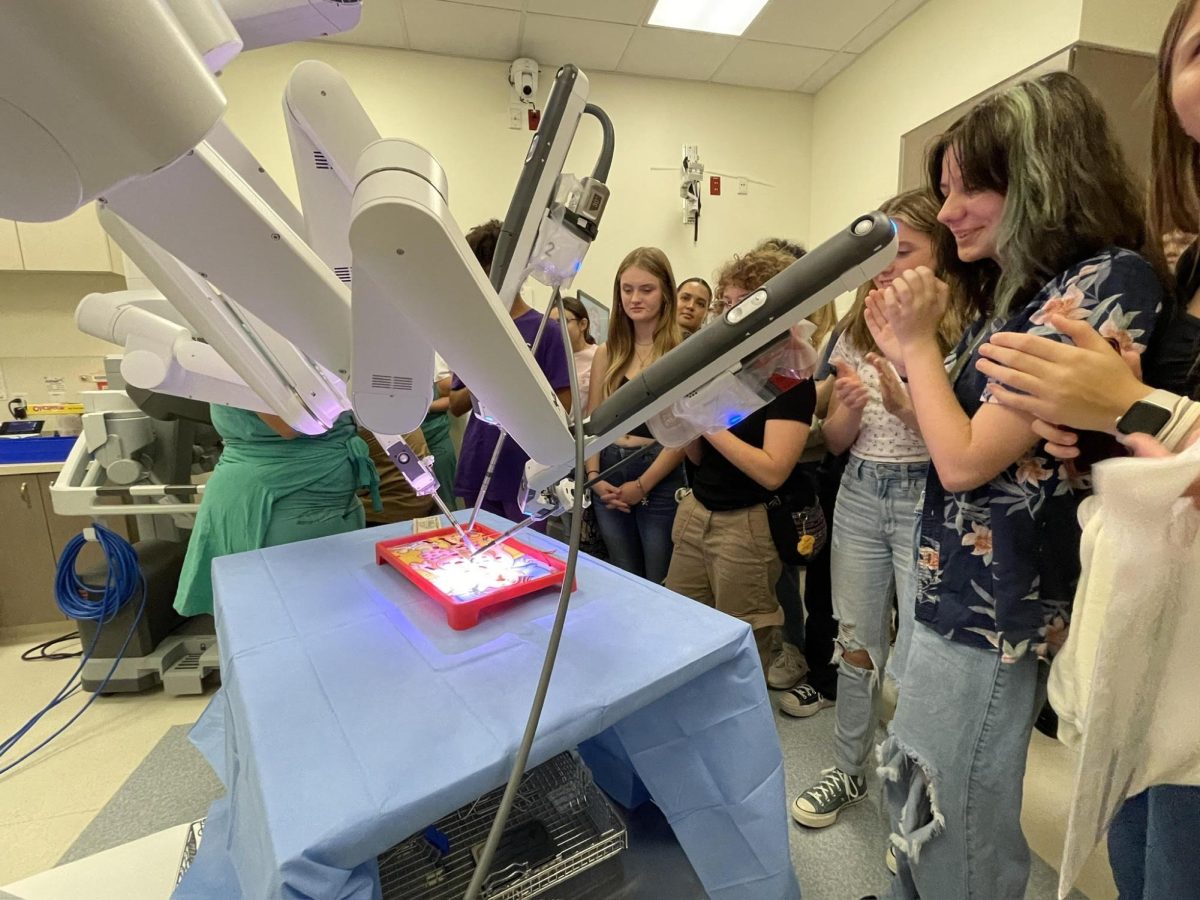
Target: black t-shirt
1171	359
721	486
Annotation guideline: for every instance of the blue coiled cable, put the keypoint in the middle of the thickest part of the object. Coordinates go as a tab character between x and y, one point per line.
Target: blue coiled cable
72	594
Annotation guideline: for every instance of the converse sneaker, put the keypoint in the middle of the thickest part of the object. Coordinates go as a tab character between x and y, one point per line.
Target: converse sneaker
787	668
820	804
803	701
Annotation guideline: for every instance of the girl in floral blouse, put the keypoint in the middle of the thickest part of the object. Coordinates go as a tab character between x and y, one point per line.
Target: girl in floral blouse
1045	221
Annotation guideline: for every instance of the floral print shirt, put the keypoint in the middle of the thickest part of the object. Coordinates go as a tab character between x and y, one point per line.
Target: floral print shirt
998	564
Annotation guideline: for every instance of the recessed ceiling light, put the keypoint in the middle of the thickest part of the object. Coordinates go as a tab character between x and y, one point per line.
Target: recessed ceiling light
714	16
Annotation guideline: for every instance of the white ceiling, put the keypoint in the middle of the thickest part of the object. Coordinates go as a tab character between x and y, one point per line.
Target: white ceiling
793	45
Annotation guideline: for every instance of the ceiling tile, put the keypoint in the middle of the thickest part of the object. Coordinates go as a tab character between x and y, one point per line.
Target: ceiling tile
626	12
827	72
814	23
778	66
381	25
668	53
552	41
460	29
876	30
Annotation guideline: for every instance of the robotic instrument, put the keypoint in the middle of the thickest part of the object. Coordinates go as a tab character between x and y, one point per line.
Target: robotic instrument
307	313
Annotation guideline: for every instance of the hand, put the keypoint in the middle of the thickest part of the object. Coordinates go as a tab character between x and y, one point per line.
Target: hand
1060	442
1087	386
1147	446
630	494
607	494
892	391
848	387
877	324
914	304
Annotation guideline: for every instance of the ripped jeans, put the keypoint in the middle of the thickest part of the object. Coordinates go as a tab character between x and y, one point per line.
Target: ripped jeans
875	526
953	768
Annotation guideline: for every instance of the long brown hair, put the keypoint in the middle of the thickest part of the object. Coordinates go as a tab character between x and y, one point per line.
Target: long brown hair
919	211
1046	145
667	335
1174	201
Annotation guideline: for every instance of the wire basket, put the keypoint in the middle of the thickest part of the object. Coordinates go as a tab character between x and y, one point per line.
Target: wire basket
560	793
190	846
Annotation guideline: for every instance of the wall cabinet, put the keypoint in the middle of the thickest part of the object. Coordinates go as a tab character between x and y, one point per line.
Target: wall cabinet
74	244
10	247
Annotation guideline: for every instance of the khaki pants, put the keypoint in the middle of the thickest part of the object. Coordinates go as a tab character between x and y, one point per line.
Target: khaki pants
727	560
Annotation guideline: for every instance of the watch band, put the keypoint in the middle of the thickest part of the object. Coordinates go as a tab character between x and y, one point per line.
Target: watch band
1184	418
1150	415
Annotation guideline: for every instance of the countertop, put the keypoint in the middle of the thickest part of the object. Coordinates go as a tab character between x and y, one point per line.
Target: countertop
29	468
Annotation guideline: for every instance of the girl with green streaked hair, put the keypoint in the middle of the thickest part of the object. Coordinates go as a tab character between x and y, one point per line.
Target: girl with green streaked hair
1045	220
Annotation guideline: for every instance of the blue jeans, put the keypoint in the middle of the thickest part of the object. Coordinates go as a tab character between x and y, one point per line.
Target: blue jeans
1152	844
874	527
639	541
953	768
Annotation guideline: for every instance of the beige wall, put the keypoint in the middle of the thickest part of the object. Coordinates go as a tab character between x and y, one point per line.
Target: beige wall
1127	24
945	53
458	109
39	340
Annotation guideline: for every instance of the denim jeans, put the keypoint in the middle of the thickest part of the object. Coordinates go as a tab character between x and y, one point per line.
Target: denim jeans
1152	844
639	541
953	768
874	524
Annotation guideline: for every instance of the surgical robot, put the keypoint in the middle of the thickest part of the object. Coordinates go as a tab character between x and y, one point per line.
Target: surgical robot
307	313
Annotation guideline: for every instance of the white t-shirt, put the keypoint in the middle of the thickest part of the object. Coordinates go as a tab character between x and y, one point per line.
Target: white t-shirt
882	437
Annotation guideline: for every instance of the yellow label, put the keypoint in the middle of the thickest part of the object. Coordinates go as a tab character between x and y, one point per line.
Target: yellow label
55	409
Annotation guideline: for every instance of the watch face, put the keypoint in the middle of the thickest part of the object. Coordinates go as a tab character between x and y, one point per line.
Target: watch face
1144	418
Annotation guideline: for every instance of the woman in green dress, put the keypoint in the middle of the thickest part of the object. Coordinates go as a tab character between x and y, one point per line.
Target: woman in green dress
273	486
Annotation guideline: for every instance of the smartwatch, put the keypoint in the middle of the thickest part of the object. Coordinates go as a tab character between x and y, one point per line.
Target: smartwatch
1149	415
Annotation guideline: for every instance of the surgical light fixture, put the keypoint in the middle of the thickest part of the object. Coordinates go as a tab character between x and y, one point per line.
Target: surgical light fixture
714	16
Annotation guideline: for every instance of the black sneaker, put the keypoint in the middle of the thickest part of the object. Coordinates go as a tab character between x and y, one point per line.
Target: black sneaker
803	701
820	804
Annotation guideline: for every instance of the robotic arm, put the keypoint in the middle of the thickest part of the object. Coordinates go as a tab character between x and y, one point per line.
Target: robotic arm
266	288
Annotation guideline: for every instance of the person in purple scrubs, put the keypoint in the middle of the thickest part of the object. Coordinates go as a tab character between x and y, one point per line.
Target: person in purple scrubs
479	440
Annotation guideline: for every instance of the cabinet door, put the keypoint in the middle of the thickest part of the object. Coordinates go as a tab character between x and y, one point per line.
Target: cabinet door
61	529
26	561
10	248
74	244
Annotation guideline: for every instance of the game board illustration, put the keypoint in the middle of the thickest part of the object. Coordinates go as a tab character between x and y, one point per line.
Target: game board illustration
442	562
435	562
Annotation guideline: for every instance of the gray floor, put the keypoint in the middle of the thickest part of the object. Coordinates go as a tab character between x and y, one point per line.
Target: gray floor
174	785
846	860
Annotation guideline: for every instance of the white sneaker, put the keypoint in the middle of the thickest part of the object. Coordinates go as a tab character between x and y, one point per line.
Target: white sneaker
889	859
787	668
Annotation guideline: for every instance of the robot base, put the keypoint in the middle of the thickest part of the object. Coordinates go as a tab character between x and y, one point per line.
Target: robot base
182	663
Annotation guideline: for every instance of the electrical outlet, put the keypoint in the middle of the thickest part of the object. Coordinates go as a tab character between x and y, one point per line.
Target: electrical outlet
743	186
516	117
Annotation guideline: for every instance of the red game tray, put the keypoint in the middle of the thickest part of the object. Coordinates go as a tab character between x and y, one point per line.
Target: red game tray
433	562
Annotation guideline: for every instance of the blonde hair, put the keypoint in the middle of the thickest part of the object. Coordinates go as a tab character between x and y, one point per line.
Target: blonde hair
667	335
919	211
